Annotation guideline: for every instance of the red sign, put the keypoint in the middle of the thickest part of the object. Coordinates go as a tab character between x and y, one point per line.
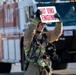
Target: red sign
47	15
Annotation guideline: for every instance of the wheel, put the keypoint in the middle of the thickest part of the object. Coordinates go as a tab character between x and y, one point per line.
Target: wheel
5	67
22	54
58	66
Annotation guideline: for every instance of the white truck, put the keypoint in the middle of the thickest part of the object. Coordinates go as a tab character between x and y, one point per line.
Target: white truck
14	20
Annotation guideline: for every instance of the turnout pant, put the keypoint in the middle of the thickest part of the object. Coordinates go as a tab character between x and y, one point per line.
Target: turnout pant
34	69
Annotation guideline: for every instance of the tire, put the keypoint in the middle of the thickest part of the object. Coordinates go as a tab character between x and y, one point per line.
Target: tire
5	67
59	66
22	54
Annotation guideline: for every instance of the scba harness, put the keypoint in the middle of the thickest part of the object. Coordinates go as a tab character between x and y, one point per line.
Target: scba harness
36	46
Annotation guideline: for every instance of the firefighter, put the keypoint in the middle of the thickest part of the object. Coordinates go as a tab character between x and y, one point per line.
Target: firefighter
37	43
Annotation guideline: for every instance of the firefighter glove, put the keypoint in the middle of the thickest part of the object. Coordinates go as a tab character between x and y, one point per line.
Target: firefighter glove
57	16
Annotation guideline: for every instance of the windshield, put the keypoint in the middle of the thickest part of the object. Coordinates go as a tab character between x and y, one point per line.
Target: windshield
67	11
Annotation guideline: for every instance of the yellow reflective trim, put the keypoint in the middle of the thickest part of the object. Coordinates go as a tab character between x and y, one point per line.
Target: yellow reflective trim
35	22
31	60
26	50
41	63
42	51
60	24
57	39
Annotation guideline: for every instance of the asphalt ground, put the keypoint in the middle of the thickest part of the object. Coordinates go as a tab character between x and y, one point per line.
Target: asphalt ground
71	69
